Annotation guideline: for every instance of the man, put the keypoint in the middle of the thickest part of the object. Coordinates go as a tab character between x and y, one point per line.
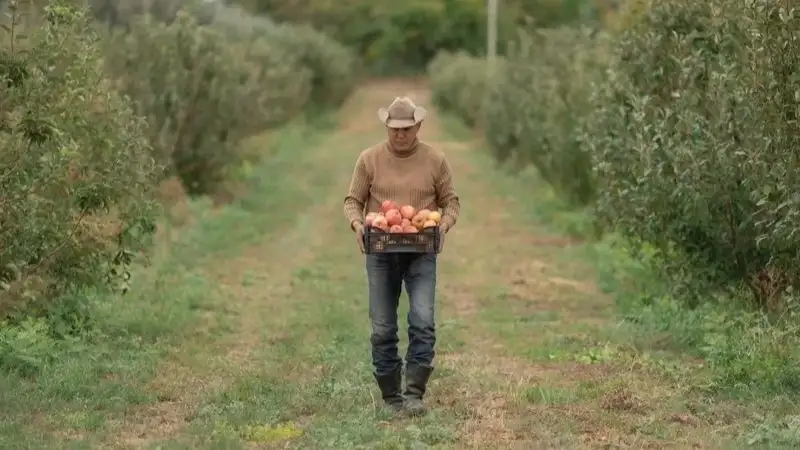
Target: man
409	172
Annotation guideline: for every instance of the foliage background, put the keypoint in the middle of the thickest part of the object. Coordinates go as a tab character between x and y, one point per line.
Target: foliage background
401	37
99	107
671	131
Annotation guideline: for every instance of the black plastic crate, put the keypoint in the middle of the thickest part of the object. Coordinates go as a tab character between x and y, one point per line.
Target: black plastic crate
379	241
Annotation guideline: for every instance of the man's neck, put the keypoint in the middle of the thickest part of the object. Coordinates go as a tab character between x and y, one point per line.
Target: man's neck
404	153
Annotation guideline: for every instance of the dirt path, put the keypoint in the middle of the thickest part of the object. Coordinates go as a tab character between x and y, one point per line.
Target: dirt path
521	360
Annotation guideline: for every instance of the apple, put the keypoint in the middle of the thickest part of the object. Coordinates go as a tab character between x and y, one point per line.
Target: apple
429	224
410	229
435	216
424	213
396	229
380	223
407	211
370	218
405	222
378	220
418	221
388	205
393	217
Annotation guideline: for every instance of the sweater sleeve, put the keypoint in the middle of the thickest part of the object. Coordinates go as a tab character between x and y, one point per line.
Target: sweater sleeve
358	193
446	197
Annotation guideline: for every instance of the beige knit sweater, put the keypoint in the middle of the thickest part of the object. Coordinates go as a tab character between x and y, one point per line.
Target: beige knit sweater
420	178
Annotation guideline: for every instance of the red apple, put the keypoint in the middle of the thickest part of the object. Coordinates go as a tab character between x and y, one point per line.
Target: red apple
389	205
393	217
396	229
407	211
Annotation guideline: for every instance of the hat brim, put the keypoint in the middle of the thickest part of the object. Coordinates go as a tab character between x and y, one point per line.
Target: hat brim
400	123
419	115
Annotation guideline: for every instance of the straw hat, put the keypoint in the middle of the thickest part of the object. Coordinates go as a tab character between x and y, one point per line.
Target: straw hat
402	113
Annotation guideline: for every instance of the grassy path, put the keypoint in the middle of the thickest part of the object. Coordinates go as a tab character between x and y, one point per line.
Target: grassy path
527	356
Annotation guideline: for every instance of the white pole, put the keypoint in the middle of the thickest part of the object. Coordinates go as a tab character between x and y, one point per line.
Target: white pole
491	33
491	52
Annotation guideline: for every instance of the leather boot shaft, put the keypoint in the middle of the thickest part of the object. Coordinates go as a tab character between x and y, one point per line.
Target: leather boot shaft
417	377
391	388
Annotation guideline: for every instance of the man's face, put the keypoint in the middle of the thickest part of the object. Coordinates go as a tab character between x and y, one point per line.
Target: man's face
402	138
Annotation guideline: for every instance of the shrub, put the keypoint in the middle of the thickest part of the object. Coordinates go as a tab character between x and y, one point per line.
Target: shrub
116	14
282	85
332	67
205	88
696	142
451	73
536	102
626	15
202	93
539	100
458	82
76	171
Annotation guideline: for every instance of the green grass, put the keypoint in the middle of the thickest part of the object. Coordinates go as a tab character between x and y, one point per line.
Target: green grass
318	375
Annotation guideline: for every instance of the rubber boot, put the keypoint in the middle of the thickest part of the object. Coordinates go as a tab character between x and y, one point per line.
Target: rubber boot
416	384
390	386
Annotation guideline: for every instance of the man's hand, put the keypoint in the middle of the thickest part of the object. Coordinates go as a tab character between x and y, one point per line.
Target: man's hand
358	227
442	233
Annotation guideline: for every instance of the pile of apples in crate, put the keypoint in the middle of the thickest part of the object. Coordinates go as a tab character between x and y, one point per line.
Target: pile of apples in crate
402	219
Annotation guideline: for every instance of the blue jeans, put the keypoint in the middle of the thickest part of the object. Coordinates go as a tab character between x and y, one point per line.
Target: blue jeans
386	274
